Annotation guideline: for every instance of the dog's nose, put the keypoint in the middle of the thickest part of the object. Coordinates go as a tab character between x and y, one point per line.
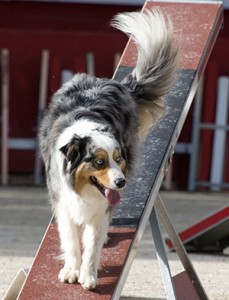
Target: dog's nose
120	182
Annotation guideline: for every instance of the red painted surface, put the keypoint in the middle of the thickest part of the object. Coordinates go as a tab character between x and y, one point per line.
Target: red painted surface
217	66
208	116
184	288
202	226
43	283
191	33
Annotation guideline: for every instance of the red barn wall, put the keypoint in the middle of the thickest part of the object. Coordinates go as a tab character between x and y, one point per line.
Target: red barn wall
68	31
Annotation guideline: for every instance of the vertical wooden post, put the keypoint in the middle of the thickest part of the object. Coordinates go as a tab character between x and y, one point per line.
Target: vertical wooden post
43	90
5	115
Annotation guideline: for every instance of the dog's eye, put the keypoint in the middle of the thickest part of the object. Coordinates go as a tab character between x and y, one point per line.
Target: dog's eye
100	162
118	159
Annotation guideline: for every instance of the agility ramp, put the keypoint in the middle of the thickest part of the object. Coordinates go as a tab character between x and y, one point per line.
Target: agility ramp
210	234
196	26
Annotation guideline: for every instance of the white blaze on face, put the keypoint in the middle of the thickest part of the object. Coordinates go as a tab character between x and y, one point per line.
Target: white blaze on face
115	174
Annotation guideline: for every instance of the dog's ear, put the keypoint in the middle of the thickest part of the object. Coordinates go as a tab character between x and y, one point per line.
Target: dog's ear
75	150
71	148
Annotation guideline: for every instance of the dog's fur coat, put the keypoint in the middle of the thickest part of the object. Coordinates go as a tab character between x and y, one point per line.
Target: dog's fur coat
89	138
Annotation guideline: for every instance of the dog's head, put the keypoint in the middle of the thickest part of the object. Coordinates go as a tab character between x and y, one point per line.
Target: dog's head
96	160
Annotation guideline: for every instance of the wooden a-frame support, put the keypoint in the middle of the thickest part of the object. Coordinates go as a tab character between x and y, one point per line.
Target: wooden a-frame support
185	285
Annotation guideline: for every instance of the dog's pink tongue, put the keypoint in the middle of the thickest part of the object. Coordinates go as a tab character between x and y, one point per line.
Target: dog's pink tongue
112	196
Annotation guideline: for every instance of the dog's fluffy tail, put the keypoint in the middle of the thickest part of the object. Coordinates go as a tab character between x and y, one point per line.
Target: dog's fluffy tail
156	67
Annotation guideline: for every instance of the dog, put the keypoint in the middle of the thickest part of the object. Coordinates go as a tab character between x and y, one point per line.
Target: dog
89	140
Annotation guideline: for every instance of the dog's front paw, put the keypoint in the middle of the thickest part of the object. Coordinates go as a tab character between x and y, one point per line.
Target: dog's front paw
87	280
68	275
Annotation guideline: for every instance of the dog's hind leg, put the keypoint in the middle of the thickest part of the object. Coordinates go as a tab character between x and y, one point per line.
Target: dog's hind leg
69	238
93	239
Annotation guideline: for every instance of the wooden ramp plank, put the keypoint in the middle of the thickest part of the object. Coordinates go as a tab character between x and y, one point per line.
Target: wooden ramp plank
43	282
196	44
196	27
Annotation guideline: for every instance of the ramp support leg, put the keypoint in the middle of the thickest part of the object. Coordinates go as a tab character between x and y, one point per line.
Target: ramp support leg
161	256
160	210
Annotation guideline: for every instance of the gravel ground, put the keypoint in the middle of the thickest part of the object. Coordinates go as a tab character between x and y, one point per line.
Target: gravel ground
25	213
